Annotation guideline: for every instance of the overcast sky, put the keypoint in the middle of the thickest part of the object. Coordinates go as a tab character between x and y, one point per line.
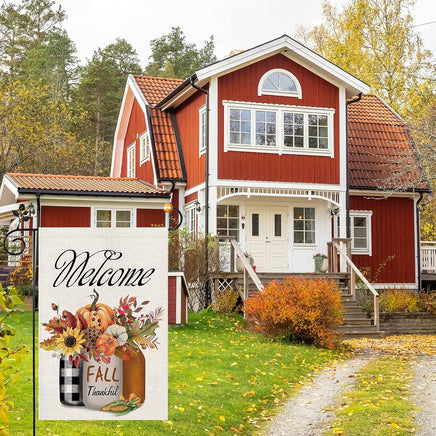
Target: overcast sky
235	24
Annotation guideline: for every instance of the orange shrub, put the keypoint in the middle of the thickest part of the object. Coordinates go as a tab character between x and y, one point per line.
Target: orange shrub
307	310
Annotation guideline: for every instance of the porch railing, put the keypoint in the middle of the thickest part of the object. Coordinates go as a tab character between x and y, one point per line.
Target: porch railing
428	256
336	251
233	255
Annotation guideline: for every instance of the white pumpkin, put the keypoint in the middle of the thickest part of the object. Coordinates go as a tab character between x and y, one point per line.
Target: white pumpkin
118	332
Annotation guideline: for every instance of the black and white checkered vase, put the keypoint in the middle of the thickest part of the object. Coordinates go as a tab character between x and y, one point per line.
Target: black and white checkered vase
70	383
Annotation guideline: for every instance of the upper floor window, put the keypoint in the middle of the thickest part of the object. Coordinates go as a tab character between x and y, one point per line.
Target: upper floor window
144	147
278	129
131	161
203	129
279	82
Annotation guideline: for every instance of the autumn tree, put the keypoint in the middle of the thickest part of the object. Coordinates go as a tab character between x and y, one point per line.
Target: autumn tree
376	41
36	134
172	56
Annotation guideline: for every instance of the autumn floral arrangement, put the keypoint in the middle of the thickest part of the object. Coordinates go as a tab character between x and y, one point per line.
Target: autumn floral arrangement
97	331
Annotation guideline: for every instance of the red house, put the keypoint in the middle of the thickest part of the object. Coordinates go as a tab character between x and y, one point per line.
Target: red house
283	151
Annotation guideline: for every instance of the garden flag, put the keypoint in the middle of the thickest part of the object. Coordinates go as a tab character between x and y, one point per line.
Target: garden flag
103	324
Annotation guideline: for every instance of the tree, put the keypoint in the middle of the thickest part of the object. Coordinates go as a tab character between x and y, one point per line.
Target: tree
12	40
36	134
173	57
24	28
375	40
54	64
99	92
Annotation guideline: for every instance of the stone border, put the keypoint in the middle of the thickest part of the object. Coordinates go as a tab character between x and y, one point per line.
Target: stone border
398	323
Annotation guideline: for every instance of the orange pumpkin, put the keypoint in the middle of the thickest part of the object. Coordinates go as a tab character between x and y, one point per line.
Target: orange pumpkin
106	344
99	316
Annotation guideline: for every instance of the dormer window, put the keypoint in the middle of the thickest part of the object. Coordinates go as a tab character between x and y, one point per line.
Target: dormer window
279	82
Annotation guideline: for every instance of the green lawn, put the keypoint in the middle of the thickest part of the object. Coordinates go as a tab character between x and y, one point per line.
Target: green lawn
222	380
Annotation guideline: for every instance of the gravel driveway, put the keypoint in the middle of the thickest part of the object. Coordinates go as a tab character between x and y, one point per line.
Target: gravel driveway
308	413
424	395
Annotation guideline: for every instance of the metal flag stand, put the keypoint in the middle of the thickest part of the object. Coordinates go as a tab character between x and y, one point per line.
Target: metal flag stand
24	214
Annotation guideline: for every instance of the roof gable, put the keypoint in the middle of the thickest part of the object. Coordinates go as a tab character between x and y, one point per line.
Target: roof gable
148	91
285	45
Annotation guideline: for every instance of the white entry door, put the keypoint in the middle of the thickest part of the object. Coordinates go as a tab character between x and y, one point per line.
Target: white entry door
267	238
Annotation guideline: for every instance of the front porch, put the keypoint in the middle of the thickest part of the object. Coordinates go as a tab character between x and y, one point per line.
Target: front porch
341	270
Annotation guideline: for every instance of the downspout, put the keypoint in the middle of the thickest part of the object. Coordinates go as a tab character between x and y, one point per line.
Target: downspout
347	192
206	197
418	241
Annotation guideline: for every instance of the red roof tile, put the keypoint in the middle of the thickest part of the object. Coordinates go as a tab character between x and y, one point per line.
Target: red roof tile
382	154
165	144
84	185
154	90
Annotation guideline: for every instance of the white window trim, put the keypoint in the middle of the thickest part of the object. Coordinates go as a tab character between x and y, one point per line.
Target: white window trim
304	244
279	148
261	91
144	152
201	143
190	209
131	161
362	214
113	211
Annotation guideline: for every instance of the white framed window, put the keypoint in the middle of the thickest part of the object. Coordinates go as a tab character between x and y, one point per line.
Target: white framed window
278	129
227	220
360	223
144	147
113	218
203	129
304	225
191	219
131	161
279	82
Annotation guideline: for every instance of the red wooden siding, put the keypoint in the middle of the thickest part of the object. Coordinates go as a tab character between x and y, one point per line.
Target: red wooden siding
191	197
65	216
242	85
183	305
173	303
393	225
136	127
188	124
172	300
150	217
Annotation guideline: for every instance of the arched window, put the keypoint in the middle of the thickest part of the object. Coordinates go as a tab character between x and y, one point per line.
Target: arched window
279	82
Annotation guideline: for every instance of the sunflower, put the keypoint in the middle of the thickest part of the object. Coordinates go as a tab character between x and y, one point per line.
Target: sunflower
70	341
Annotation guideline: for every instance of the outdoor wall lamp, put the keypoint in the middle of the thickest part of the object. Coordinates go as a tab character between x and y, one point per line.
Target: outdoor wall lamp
197	206
168	208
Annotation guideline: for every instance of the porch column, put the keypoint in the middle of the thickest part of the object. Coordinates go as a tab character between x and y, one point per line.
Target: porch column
212	209
343	223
